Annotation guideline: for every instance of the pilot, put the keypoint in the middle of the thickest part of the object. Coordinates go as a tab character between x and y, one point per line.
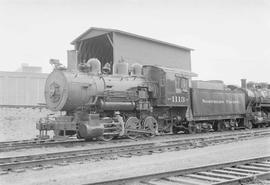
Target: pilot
121	121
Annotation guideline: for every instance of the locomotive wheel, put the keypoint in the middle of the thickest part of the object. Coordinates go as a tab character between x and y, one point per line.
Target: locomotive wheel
132	123
106	137
150	124
79	135
249	125
221	126
192	128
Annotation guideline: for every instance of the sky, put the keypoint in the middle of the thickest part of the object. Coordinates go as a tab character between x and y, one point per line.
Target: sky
230	38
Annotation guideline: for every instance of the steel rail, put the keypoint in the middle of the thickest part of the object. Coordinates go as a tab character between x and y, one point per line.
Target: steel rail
216	174
11	163
25	144
36	160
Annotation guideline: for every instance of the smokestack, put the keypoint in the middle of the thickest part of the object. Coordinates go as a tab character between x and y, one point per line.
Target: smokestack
244	83
72	60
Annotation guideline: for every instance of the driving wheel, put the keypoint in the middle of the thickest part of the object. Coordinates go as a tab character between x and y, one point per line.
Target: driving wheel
150	124
132	123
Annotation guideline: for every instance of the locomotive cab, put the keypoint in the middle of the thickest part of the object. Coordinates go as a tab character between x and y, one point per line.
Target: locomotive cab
170	96
171	86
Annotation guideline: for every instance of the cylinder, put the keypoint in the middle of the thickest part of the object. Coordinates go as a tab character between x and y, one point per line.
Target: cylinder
88	131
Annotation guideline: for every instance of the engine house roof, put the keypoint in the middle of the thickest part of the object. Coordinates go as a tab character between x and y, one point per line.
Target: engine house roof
94	31
113	46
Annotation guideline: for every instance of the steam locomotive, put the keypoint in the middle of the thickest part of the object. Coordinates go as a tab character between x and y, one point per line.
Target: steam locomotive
146	100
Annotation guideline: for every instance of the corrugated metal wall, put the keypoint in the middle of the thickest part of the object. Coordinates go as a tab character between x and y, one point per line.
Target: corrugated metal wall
144	51
20	88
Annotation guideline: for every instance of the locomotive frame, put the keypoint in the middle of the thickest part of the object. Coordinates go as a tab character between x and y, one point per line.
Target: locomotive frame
153	101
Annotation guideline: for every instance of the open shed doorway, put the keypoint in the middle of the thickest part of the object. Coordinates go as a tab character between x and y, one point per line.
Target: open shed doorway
99	47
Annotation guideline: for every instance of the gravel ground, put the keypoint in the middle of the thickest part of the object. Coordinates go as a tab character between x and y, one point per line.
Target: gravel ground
138	165
20	123
258	182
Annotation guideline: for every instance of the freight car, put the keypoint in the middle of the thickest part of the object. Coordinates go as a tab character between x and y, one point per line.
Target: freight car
144	100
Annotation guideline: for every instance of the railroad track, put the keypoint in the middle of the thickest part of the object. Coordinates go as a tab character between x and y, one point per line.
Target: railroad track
238	172
37	143
41	161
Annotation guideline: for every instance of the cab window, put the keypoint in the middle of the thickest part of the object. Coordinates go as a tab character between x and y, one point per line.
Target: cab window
181	84
162	80
184	84
178	82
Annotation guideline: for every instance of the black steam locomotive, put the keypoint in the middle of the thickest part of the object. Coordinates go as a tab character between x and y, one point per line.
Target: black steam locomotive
147	100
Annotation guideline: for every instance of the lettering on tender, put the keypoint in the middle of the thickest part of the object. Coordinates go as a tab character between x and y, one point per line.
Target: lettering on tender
220	101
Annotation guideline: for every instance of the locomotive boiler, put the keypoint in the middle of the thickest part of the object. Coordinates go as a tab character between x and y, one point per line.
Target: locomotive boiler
68	91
